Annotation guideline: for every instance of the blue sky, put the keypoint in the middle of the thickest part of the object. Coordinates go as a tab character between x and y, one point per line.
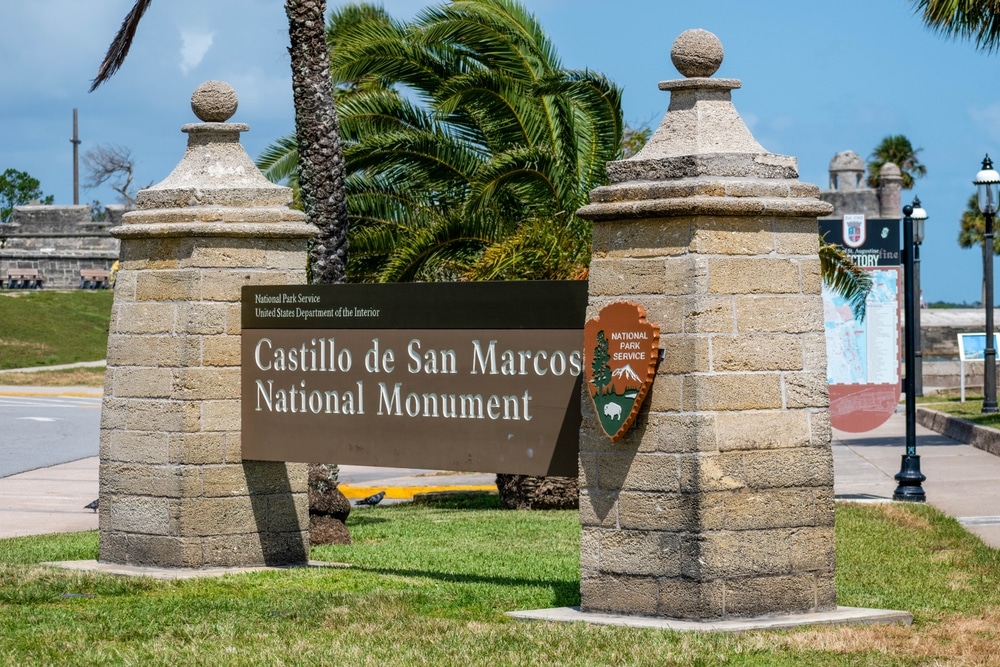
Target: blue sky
818	78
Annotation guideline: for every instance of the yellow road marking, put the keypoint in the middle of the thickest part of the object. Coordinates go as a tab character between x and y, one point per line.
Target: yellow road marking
406	492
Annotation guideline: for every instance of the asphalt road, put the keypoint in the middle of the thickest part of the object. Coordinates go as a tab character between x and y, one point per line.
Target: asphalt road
41	431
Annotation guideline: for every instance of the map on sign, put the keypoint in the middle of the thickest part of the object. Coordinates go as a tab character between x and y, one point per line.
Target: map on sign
864	352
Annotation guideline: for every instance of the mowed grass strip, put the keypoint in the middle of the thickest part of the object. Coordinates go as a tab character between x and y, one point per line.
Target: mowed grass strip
428	585
971	409
45	327
73	377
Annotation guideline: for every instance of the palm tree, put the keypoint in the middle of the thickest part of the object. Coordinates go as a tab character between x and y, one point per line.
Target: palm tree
897	149
973	226
321	168
468	146
963	19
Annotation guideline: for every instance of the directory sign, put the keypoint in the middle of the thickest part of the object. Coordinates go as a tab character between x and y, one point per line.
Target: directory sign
864	356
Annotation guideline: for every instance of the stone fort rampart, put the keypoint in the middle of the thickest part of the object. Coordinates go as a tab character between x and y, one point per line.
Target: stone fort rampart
58	241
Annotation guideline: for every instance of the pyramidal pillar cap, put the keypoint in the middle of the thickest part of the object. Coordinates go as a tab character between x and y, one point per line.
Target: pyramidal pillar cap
701	134
215	169
702	160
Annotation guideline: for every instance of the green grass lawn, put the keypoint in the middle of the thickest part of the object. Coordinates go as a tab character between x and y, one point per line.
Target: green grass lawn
46	327
971	409
430	585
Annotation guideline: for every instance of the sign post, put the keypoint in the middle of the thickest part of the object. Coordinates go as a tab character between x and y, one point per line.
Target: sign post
972	347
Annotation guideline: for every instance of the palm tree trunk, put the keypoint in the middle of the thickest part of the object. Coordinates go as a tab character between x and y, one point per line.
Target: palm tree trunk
321	180
527	492
321	161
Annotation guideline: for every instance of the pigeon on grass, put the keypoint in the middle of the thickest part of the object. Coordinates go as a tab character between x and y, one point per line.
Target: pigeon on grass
92	506
374	499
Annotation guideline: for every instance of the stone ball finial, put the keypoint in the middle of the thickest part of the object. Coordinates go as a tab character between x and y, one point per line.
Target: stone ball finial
214	102
697	53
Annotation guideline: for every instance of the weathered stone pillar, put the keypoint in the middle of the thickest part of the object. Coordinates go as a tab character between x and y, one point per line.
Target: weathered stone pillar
890	191
719	502
174	489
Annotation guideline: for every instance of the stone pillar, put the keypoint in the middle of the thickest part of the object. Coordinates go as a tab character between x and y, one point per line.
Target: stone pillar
890	191
174	490
719	502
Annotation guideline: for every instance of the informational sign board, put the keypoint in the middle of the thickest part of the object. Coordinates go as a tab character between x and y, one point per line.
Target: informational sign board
482	377
864	357
972	347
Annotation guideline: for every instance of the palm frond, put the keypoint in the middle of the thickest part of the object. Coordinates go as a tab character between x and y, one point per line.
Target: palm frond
963	19
431	160
556	248
279	160
844	277
524	172
120	45
447	248
381	52
368	112
496	34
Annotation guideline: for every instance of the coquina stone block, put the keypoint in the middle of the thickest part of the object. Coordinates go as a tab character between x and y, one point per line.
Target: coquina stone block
719	501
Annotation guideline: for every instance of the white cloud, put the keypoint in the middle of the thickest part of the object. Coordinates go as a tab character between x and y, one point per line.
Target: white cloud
194	45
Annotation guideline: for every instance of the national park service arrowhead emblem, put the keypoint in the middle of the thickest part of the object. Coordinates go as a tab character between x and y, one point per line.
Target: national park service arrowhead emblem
620	354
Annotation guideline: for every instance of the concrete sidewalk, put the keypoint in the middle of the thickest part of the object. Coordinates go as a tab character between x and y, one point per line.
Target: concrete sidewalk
53	499
49	500
962	481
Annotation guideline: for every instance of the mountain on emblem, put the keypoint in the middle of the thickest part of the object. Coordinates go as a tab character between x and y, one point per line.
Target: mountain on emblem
616	343
627	373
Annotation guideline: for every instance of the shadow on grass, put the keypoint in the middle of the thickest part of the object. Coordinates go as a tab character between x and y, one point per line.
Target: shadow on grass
464	500
359	520
565	593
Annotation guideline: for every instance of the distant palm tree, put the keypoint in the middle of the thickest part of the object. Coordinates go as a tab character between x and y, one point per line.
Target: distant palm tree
973	226
897	149
964	19
973	229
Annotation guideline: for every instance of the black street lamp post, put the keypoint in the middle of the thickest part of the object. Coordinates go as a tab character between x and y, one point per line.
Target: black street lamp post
987	183
919	216
909	476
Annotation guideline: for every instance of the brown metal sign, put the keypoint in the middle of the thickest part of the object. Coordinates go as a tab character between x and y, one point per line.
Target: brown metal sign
479	377
621	350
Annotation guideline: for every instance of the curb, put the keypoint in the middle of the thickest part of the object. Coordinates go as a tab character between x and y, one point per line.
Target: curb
980	437
57	367
352	492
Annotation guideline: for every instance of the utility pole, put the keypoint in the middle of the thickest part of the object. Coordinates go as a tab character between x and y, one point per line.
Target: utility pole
76	161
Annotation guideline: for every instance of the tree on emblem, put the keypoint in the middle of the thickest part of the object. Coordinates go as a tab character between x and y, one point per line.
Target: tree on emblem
600	367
